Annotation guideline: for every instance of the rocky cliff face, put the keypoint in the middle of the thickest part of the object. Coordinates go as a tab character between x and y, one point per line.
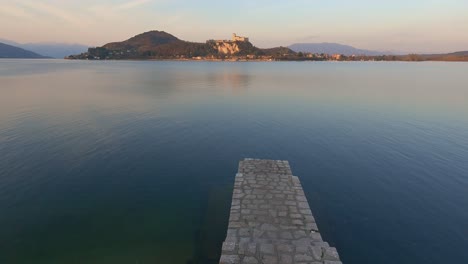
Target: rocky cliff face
227	47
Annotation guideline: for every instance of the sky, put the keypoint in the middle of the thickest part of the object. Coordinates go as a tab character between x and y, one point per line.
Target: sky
422	26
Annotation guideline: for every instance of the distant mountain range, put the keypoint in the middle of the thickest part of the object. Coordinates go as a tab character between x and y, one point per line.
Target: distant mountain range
52	50
458	53
12	52
454	56
335	48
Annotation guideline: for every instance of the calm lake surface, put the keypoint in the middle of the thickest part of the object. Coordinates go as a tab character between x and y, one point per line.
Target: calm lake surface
134	162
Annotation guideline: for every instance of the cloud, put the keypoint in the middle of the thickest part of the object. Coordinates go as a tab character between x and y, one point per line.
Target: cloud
132	4
106	11
14	11
53	11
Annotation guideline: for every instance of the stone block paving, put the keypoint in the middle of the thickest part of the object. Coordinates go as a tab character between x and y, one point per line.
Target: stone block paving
270	220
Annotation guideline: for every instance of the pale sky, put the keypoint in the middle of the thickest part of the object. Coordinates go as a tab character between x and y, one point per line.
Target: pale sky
401	25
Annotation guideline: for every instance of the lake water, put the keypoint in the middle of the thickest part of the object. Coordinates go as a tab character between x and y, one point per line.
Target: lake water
134	162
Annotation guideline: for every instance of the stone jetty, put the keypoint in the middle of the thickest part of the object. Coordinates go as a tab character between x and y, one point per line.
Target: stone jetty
270	220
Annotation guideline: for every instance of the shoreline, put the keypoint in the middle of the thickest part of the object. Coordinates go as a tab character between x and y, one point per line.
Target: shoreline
257	60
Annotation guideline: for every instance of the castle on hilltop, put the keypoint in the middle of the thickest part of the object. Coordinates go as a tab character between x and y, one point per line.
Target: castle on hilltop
234	38
232	46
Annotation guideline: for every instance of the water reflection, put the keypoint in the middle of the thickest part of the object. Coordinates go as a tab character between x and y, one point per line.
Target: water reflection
234	80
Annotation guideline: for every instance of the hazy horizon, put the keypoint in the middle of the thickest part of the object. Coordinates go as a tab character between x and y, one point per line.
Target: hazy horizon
420	26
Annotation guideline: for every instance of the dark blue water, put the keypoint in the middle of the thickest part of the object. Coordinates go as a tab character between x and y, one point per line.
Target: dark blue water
134	162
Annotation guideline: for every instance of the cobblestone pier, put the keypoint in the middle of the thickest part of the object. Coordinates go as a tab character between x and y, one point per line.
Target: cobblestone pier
270	220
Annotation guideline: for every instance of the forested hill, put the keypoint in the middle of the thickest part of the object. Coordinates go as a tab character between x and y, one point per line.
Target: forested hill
162	45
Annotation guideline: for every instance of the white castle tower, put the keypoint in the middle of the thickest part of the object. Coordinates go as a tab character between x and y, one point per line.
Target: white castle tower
239	38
